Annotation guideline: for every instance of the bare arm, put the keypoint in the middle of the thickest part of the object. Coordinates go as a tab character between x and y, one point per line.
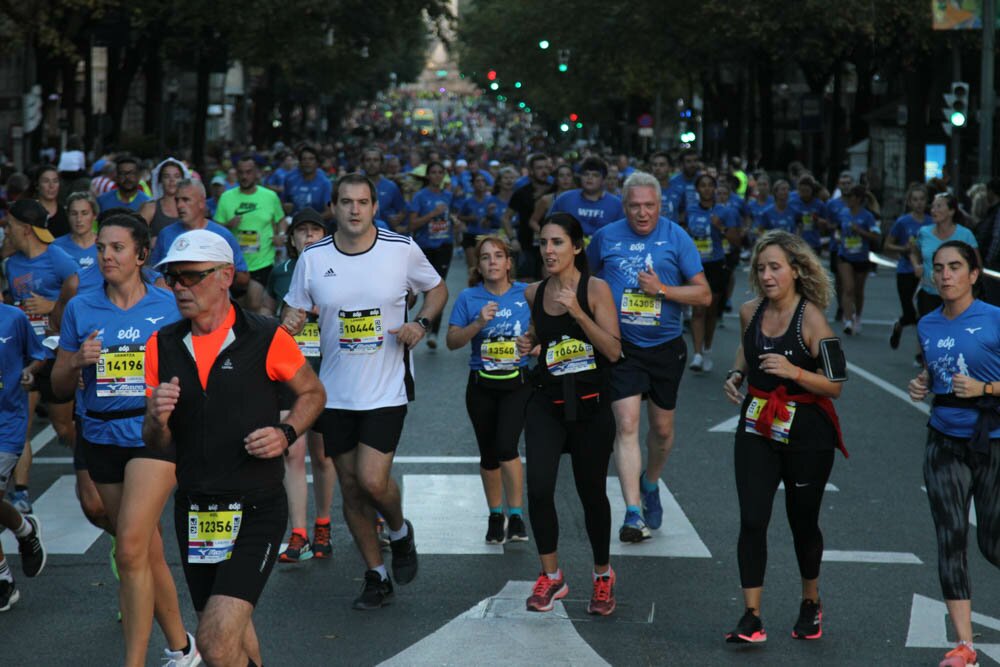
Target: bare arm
310	399
66	292
695	293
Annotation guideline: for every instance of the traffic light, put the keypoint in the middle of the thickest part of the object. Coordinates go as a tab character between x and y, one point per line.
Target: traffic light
956	110
492	75
563	60
494	86
517	84
564	127
543	44
573	117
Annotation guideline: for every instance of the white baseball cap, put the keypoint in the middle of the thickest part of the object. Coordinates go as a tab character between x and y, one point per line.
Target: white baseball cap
198	245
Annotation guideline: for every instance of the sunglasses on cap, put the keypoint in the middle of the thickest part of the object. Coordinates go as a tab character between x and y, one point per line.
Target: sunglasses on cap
189	278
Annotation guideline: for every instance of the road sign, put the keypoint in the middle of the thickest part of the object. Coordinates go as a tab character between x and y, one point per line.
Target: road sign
645	120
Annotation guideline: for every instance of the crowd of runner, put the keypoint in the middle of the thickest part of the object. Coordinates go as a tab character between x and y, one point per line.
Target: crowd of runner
286	292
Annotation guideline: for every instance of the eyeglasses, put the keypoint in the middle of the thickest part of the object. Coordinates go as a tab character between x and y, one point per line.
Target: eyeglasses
189	278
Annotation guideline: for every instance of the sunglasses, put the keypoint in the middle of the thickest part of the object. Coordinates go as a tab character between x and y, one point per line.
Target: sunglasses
189	278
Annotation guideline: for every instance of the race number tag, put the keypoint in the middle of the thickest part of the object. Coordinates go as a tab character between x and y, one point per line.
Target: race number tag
499	354
807	222
212	532
779	428
120	371
637	307
704	245
570	355
852	244
438	229
361	331
308	340
249	240
39	323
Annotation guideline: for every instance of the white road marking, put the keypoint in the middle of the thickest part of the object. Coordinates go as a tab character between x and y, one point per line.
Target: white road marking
892	389
728	426
677	538
42	438
449	514
498	629
64	528
891	557
929	627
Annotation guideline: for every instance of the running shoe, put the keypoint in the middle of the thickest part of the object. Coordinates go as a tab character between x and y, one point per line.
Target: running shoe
602	602
706	362
297	551
857	325
516	532
31	549
546	592
21	501
960	656
8	594
179	659
696	362
634	529
496	531
322	547
810	623
432	341
750	630
848	327
652	510
375	592
404	557
897	334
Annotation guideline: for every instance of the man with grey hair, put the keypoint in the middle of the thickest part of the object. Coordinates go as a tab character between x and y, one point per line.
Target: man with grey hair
653	269
191	210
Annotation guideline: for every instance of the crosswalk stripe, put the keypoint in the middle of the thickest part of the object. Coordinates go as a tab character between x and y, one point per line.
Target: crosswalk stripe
64	528
42	438
677	538
449	513
891	557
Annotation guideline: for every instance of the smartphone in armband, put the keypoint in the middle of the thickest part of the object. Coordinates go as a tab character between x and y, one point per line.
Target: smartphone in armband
834	362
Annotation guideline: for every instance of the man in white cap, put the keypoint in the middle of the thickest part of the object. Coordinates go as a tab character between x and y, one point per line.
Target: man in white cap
211	387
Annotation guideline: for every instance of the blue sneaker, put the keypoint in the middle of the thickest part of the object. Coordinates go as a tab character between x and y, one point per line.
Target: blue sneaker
652	510
634	529
21	501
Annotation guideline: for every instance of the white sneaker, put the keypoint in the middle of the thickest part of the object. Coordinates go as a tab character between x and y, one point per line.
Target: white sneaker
697	361
178	659
857	325
848	327
706	362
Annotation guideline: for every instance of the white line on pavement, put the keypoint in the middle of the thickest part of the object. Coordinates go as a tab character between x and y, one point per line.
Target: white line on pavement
892	389
64	528
42	438
677	538
892	557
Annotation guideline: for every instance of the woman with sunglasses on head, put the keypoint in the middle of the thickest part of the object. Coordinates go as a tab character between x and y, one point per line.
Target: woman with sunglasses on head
491	314
961	347
102	343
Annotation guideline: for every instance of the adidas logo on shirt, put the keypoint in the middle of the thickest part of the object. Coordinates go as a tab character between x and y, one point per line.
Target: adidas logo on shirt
227	365
329	273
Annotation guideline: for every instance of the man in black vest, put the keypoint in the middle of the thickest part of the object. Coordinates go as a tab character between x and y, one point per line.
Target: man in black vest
219	408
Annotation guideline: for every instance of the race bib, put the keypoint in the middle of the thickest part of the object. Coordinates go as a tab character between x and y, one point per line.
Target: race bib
499	354
637	307
212	532
779	428
361	331
120	371
704	245
570	355
726	247
807	222
39	323
438	229
308	340
852	244
249	240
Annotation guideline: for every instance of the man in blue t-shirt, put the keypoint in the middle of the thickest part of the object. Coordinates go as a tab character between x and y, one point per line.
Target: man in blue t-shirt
653	268
591	205
191	211
307	186
683	193
128	194
391	205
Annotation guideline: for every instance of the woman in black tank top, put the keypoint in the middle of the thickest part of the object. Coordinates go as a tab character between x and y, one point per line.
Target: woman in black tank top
574	323
788	429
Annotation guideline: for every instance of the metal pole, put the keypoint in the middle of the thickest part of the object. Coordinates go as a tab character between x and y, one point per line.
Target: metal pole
956	132
987	99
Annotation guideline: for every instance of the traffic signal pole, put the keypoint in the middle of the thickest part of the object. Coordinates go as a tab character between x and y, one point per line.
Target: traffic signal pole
956	133
987	95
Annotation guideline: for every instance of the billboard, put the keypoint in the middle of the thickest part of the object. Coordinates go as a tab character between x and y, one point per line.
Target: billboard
957	14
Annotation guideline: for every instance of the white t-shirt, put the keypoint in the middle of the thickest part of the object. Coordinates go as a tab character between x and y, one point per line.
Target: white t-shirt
360	298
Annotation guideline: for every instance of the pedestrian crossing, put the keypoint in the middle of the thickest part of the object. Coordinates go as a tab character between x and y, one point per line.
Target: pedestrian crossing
64	528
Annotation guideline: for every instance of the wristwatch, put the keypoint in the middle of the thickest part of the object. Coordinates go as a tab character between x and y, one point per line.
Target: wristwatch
424	322
734	372
290	435
987	389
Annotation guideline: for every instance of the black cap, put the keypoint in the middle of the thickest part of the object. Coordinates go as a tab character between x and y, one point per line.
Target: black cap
30	212
307	214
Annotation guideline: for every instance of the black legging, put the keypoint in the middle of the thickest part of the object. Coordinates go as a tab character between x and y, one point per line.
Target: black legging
589	442
440	259
906	288
497	416
953	475
759	468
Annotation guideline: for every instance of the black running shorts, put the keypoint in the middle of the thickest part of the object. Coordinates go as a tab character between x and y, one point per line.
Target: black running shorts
343	430
650	371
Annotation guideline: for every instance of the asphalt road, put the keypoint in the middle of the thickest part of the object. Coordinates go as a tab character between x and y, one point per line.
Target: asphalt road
677	593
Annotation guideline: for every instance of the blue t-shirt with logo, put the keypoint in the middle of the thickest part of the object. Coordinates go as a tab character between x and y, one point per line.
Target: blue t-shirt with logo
84	256
853	246
496	339
117	382
486	222
928	242
438	231
171	232
315	193
772	218
44	276
904	229
592	215
708	238
806	215
968	345
618	255
18	347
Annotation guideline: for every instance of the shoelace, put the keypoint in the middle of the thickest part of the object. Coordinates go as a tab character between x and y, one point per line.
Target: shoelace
322	534
296	541
543	585
602	589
